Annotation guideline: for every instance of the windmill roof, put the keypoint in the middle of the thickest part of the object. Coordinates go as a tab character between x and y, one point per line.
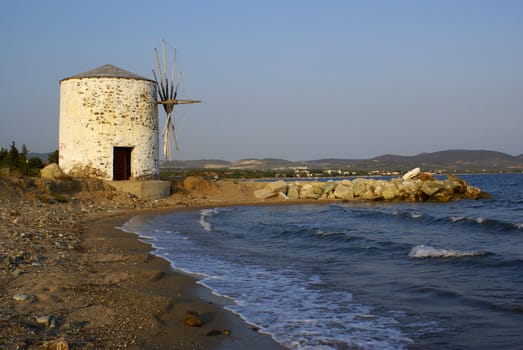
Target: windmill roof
107	71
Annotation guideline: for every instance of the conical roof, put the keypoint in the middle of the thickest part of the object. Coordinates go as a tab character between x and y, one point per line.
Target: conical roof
107	71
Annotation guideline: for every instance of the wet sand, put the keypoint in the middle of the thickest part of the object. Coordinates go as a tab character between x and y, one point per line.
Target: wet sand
172	293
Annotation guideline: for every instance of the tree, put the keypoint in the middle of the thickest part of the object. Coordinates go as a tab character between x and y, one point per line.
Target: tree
13	157
23	163
17	161
35	163
3	157
23	154
53	157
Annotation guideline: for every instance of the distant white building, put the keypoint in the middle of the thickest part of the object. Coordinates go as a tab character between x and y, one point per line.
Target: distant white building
109	125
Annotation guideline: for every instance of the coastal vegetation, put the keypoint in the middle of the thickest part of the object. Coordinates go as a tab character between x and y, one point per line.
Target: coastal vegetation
17	163
247	174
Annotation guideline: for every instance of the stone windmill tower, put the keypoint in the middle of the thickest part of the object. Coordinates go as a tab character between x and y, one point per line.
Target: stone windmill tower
109	125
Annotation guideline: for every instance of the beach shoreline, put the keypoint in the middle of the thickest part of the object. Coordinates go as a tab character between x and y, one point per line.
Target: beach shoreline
177	291
69	275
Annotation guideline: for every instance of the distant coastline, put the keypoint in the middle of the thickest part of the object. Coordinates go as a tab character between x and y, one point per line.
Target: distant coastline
442	162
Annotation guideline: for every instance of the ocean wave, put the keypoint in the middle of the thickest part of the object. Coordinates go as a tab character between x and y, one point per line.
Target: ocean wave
139	225
456	218
299	314
425	251
486	222
396	213
322	233
478	220
204	214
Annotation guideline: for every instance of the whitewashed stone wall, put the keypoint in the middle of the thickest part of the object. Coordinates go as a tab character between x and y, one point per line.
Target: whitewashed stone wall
98	114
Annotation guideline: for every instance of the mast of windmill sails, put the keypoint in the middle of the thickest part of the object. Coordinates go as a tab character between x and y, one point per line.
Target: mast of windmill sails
167	97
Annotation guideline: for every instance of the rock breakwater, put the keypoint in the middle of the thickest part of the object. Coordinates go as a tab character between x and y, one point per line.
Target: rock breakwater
414	186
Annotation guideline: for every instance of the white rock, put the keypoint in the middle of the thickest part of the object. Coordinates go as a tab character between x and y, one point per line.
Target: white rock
21	297
389	191
309	191
264	194
329	186
44	320
292	192
359	186
344	192
411	174
283	195
277	186
51	171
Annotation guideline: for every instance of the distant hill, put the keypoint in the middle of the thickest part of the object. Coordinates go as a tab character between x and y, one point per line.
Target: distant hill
473	160
450	160
42	156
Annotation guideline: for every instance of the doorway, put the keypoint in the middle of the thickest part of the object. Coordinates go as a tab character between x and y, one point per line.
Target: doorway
122	163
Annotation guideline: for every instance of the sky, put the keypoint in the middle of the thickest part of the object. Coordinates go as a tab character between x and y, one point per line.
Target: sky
291	79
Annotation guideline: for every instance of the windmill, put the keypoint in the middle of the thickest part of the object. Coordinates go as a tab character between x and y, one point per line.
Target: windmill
168	97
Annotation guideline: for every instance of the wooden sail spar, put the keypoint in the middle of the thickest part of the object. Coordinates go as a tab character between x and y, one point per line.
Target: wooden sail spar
167	93
179	102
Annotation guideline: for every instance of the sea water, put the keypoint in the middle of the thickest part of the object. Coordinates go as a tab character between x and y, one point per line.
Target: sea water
362	275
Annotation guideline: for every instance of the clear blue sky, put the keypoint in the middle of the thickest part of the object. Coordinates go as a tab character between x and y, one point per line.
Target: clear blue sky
286	79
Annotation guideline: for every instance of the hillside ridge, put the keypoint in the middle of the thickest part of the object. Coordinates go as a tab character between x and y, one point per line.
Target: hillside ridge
447	160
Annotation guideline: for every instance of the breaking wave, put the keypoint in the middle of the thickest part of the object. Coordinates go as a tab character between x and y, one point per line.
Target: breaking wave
426	251
204	214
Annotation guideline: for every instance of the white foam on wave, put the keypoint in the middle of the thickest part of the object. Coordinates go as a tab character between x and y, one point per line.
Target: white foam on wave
426	251
204	214
480	220
299	314
307	320
315	280
136	225
294	307
322	233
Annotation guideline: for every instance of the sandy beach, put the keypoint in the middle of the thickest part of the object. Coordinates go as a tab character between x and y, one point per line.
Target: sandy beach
70	279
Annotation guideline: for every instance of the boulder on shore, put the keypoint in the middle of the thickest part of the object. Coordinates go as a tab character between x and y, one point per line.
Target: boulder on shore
51	171
344	191
192	319
272	189
411	174
414	186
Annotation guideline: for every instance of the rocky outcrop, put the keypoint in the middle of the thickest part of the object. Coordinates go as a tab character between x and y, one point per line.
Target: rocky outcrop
272	189
414	186
52	171
199	184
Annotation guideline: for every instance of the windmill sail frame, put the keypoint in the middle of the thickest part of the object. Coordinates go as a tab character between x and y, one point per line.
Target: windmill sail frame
167	97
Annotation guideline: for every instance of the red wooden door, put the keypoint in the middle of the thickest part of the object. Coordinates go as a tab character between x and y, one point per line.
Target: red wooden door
122	163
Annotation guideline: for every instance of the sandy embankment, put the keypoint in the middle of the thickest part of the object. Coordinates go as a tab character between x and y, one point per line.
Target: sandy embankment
67	275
